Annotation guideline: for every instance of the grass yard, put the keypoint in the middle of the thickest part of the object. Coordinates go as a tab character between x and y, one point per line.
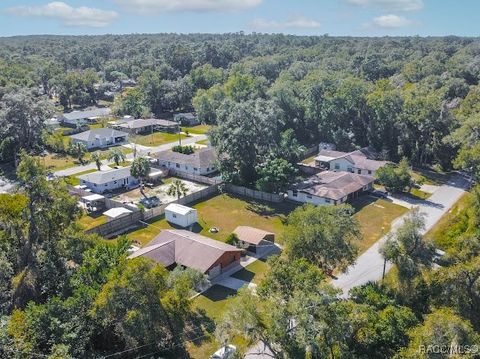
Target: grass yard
375	217
451	225
309	160
212	304
203	142
197	130
429	176
226	212
88	221
419	194
74	180
253	273
156	139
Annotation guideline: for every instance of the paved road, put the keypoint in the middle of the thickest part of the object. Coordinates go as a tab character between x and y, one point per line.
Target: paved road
141	150
369	266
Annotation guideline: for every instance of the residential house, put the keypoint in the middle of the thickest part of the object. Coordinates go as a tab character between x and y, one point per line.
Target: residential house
146	126
100	138
254	239
190	250
180	215
186	119
359	161
331	188
79	118
201	162
102	181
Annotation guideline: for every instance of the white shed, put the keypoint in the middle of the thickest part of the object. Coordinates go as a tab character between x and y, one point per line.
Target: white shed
182	216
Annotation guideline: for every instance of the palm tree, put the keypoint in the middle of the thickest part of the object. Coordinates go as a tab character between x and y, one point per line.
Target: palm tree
140	169
97	159
116	156
78	151
177	188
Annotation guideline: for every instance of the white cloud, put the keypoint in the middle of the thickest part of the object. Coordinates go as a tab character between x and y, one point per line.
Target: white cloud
391	21
395	5
68	15
297	22
158	6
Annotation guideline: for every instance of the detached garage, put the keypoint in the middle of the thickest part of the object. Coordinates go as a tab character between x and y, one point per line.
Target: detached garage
182	216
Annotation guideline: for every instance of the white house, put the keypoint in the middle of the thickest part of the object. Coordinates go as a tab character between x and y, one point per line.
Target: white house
100	138
79	118
331	188
182	216
354	162
110	180
201	162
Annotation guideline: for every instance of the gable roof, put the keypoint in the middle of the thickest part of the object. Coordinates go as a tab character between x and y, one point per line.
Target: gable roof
104	132
202	158
80	115
359	158
102	177
333	185
252	235
185	248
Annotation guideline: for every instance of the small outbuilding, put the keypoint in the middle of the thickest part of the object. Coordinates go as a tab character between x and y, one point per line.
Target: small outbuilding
93	202
117	212
180	215
254	239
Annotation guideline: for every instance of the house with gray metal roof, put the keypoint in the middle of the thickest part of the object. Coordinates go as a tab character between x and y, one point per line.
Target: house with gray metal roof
201	162
186	119
146	126
110	180
79	118
100	138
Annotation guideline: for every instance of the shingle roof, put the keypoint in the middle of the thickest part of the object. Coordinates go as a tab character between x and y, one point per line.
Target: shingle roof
185	248
78	115
359	158
334	185
252	235
104	132
102	177
202	158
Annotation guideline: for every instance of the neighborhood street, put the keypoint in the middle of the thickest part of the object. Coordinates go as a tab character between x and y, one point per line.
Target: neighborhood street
142	150
369	266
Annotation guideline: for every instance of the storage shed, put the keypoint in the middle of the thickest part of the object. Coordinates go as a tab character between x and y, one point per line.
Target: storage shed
115	213
182	216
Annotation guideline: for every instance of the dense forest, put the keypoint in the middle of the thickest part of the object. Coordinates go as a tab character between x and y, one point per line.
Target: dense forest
66	294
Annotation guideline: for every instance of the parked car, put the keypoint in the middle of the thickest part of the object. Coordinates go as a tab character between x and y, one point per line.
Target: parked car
150	202
226	352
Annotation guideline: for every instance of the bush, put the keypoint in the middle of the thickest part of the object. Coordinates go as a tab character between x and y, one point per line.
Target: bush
186	150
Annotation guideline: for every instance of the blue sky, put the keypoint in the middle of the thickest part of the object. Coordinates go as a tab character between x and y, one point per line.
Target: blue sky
310	17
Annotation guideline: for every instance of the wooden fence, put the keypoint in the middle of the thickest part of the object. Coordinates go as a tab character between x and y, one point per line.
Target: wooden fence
251	193
195	178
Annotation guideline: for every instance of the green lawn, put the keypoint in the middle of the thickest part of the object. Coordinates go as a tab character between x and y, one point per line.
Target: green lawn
254	272
88	221
451	225
203	142
74	180
226	212
156	139
212	305
309	159
429	176
375	217
198	130
419	194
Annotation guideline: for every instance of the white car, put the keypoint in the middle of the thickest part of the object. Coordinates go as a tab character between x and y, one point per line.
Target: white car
226	352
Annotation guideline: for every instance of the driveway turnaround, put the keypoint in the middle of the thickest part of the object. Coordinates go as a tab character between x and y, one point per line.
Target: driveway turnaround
369	266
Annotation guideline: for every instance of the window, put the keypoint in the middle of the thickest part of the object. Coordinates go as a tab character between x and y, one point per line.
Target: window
334	203
195	168
177	165
186	167
369	172
350	169
294	193
359	172
337	166
309	196
174	215
327	200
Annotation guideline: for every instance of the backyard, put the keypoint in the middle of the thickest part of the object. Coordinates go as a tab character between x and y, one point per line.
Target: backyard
89	221
198	130
226	212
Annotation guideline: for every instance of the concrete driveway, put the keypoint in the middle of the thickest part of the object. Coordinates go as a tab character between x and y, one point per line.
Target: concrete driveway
369	266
